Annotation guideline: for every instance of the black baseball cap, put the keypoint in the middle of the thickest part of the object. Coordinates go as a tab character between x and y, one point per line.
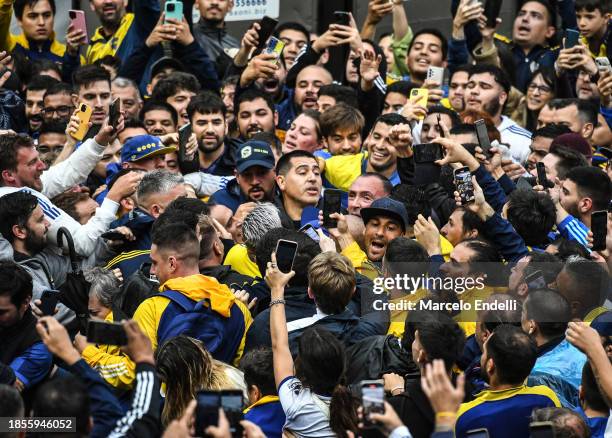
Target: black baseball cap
386	207
254	153
164	63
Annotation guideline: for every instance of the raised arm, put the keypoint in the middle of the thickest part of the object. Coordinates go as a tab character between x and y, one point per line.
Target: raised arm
283	362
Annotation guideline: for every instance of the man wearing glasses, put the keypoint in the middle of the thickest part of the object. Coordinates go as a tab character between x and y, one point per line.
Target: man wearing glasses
57	104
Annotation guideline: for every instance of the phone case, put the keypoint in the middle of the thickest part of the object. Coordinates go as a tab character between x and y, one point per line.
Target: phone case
173	12
603	64
423	97
84	115
435	74
79	22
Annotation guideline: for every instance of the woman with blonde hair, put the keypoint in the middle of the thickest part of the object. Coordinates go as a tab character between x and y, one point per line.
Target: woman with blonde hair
186	367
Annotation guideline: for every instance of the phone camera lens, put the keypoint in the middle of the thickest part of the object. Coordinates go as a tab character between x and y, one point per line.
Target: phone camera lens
83	108
170	7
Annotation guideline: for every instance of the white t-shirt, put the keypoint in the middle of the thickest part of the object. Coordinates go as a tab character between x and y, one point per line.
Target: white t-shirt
307	413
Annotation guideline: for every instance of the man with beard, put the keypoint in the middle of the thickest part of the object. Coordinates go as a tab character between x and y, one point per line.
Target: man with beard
206	113
384	220
488	90
541	140
121	32
92	86
255	177
22	350
24	225
57	103
255	113
51	141
211	34
34	93
505	407
381	156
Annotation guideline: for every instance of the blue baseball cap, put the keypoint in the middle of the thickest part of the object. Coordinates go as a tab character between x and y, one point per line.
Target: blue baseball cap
386	207
143	146
254	153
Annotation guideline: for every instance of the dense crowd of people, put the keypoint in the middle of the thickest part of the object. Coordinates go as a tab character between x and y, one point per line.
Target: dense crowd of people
207	235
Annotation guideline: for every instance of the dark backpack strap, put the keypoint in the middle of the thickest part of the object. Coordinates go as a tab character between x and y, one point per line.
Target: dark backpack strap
187	304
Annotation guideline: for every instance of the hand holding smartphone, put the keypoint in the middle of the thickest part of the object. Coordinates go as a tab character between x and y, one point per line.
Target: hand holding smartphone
285	255
185	132
114	112
48	302
372	400
78	22
465	187
106	333
332	203
483	137
599	227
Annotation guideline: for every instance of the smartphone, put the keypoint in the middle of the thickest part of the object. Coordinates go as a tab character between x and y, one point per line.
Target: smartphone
435	74
571	38
599	227
465	187
285	255
207	410
372	399
266	27
173	9
113	235
310	231
185	132
491	12
542	179
231	402
427	152
483	136
84	114
603	64
114	111
332	203
275	46
48	301
535	281
541	429
422	96
106	333
342	17
78	22
525	183
477	433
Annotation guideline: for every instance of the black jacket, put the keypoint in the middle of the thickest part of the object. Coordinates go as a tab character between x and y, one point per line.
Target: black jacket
225	165
372	357
414	409
215	41
226	275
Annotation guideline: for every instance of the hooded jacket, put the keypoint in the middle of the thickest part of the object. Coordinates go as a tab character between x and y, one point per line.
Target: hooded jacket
155	312
215	42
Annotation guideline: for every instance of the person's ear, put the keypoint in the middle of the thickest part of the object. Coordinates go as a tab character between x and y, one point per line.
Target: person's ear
532	327
503	98
127	204
7	177
75	100
156	210
550	32
585	205
20	232
490	366
587	130
422	357
280	180
275	118
310	294
580	393
172	261
218	247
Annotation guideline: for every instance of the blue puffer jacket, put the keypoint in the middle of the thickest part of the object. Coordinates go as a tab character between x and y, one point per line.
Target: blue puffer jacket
564	361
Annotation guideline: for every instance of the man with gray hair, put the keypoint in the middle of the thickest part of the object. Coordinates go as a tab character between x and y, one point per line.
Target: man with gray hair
262	218
127	91
156	190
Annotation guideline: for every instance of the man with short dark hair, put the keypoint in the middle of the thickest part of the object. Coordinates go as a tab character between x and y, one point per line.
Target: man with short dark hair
37	40
584	191
504	409
333	94
428	47
541	141
532	214
217	151
295	36
255	177
264	408
51	141
159	118
396	96
429	335
584	284
211	33
34	93
488	90
463	224
57	103
298	177
579	115
177	90
548	265
559	161
92	86
21	347
255	113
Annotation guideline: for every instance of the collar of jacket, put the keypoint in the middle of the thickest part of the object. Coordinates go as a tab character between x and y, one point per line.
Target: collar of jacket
50	45
262	401
208	28
550	345
99	37
198	287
